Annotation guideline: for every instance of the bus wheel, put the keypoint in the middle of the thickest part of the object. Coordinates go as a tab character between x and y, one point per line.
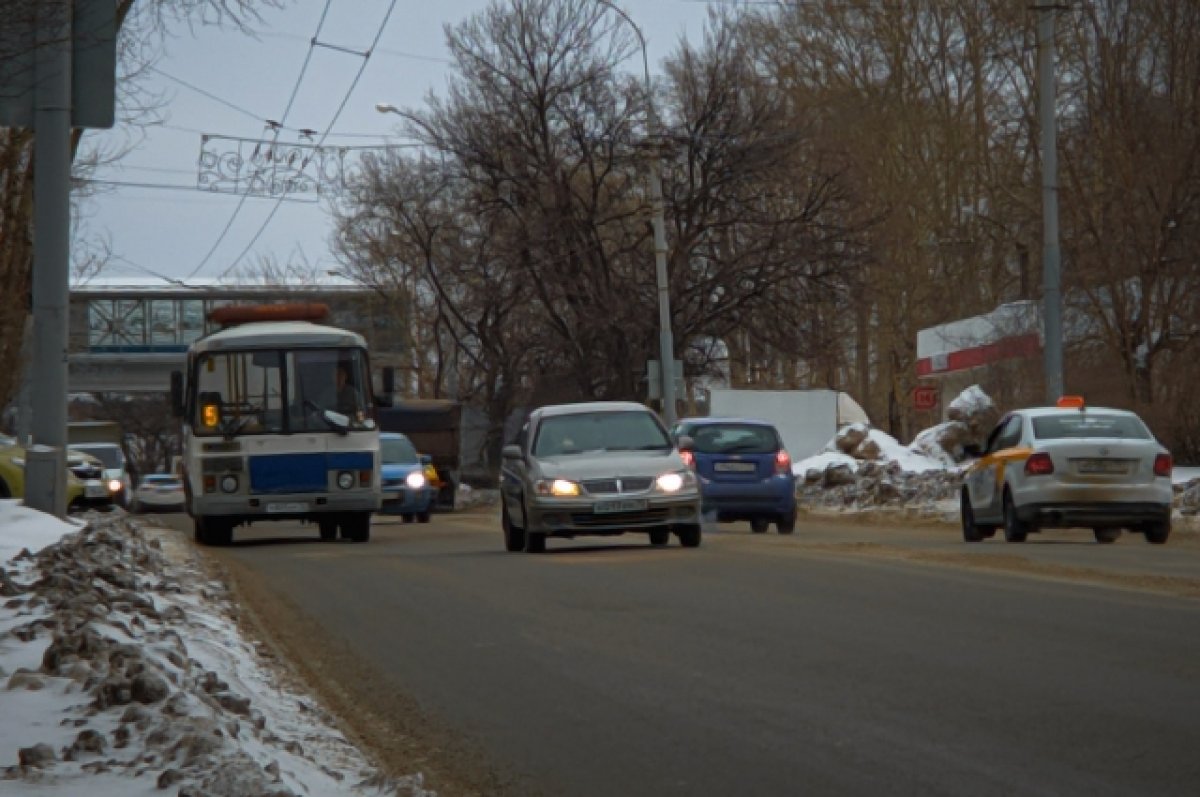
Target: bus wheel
356	526
213	531
329	528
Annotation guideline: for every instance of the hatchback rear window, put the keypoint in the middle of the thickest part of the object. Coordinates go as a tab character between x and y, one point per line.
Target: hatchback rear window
1085	425
735	438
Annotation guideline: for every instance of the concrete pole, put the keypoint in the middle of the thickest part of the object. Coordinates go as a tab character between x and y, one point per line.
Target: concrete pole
1051	271
666	340
46	490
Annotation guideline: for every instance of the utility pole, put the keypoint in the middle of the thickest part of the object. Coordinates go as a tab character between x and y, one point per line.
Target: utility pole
51	256
1051	269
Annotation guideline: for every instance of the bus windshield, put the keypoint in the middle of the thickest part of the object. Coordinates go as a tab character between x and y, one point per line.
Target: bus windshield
270	391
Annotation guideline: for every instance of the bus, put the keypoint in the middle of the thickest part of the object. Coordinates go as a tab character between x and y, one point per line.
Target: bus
278	423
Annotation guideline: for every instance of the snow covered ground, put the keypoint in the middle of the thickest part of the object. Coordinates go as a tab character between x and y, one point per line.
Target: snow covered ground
123	672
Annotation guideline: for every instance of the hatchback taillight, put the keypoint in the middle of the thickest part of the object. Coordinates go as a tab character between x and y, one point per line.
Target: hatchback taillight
1039	464
783	462
1163	465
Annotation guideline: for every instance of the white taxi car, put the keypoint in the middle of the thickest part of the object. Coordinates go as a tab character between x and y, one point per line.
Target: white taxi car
1069	466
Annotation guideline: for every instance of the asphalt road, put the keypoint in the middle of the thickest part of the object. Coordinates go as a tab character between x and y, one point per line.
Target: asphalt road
845	660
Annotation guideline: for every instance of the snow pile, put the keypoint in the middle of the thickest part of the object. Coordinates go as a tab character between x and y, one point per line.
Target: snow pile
864	468
124	672
470	497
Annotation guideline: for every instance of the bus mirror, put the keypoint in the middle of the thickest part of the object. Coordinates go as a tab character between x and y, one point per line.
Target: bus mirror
177	393
384	401
389	382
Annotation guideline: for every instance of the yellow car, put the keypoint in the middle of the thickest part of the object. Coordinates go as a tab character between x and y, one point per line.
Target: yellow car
85	484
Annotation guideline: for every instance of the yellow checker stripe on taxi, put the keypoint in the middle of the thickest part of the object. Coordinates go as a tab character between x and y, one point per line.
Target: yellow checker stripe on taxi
1007	456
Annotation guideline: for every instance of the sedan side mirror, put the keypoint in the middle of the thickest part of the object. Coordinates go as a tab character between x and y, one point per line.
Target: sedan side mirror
511	452
685	443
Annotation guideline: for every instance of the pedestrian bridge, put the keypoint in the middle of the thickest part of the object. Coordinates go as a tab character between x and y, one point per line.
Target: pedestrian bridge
128	336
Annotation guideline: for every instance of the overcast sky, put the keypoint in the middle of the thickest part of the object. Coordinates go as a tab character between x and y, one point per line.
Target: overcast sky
236	82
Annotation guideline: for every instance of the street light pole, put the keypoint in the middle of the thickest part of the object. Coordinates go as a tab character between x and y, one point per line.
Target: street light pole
1052	328
666	342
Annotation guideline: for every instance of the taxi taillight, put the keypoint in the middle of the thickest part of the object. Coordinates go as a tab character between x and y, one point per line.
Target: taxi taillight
1163	465
1039	464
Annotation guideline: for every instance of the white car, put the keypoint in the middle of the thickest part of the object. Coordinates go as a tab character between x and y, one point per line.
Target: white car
1068	466
158	492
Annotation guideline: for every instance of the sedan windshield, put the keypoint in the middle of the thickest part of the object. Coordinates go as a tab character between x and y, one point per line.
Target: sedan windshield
561	435
397	451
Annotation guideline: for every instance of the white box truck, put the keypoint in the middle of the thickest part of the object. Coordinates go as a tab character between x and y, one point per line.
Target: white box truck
806	419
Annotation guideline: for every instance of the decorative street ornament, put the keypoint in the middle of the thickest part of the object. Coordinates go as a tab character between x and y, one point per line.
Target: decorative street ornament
269	168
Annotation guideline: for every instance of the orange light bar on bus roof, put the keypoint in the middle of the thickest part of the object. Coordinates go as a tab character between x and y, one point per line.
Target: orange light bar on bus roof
1071	402
232	314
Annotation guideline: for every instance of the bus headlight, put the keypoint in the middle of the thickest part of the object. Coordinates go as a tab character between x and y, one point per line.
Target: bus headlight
229	484
415	480
345	480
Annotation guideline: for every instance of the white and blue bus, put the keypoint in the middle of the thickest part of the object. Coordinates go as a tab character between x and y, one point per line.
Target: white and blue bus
278	424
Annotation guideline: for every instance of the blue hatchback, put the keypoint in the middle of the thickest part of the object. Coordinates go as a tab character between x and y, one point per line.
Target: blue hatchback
745	473
406	491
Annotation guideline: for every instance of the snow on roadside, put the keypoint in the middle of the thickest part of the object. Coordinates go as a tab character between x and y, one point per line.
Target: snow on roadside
124	673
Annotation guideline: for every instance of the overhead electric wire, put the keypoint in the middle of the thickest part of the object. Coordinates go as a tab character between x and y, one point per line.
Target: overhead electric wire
366	58
282	120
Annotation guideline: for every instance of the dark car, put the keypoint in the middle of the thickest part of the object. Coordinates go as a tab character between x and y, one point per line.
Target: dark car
744	471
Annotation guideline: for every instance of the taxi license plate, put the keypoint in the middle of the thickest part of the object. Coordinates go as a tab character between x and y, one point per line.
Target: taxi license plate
95	490
280	507
1110	466
619	505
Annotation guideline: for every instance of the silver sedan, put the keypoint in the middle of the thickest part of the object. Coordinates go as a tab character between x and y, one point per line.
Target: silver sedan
598	468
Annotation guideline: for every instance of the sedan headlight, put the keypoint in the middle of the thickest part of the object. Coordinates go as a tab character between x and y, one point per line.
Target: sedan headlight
559	488
675	481
415	480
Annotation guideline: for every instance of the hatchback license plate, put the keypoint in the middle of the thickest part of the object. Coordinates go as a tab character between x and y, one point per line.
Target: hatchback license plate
619	505
734	467
1112	466
287	506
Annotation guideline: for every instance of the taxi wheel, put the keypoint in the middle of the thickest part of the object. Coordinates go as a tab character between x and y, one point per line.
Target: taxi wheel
970	531
514	536
1157	533
759	525
1105	536
1015	529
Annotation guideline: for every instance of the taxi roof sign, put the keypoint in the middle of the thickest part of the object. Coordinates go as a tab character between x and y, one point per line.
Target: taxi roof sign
1071	402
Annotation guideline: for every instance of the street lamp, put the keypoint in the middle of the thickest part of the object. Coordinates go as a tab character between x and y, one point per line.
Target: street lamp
384	107
666	343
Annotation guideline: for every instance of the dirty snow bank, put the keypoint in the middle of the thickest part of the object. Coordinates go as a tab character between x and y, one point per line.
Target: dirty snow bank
123	673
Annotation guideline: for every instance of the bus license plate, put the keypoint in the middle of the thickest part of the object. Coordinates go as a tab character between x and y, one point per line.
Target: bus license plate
281	507
619	505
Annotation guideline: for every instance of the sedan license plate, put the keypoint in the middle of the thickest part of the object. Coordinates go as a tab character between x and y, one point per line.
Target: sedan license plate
1104	466
619	505
280	507
95	490
734	467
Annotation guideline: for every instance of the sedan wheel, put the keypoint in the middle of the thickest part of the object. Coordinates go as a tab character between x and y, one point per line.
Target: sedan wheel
1105	536
514	536
1015	529
689	536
